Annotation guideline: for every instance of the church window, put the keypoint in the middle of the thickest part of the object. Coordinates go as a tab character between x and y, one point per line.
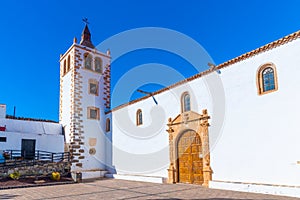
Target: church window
139	117
185	102
93	87
267	79
107	125
93	113
98	65
88	61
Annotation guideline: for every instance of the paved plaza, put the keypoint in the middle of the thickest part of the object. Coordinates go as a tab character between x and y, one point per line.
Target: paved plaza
121	189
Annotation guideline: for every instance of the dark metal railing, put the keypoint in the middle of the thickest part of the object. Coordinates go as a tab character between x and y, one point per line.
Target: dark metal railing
17	158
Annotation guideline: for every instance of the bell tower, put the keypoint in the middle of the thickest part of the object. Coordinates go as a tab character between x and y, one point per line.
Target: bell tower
84	99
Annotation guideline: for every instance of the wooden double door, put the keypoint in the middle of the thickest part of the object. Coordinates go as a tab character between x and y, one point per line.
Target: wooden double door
189	163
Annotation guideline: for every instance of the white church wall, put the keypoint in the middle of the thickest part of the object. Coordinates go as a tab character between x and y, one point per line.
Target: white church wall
66	104
108	145
94	130
259	142
144	150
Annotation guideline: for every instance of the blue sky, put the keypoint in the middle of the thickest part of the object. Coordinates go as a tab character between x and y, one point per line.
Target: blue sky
34	33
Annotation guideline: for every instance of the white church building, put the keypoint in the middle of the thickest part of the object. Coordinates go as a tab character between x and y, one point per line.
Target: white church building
234	126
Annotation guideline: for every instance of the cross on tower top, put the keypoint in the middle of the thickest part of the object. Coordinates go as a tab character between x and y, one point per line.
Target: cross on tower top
86	35
85	20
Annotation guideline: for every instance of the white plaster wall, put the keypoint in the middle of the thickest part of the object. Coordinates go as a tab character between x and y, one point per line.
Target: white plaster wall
33	127
66	105
258	142
144	150
48	135
93	128
50	143
2	111
108	146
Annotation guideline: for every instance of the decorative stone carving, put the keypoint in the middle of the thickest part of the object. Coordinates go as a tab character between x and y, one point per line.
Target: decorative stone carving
92	141
189	121
171	172
92	151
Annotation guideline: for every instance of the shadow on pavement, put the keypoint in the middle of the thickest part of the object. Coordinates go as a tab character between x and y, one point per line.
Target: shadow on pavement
209	199
8	196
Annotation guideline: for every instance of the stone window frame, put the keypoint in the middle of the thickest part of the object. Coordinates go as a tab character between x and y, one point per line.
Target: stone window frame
94	81
101	64
183	102
259	78
89	112
85	55
139	117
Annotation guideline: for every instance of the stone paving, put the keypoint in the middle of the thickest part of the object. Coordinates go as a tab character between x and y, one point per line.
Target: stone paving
121	189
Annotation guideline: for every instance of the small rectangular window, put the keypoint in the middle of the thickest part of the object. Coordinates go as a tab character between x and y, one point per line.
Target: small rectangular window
93	113
107	125
93	87
2	139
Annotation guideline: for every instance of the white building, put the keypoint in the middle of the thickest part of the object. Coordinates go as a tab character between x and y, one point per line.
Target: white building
237	129
29	136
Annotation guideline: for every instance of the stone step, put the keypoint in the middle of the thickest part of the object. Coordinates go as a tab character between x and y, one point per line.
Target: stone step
108	175
91	174
134	177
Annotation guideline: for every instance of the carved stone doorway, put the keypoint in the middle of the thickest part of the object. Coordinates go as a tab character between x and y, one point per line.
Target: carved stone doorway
190	162
189	149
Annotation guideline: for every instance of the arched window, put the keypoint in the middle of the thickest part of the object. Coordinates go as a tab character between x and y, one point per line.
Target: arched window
139	117
88	61
267	79
98	65
107	125
185	102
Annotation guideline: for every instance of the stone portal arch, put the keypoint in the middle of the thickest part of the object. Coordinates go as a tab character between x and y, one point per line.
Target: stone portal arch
189	149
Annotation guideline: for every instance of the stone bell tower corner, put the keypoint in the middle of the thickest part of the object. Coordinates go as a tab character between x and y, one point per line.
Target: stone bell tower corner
84	99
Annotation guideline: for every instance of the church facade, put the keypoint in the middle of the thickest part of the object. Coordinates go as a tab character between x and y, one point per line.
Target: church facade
234	126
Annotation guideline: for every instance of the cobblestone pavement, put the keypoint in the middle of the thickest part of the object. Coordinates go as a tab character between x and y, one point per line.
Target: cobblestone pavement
121	189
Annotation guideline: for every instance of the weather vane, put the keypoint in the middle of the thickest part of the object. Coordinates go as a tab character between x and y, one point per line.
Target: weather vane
85	20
